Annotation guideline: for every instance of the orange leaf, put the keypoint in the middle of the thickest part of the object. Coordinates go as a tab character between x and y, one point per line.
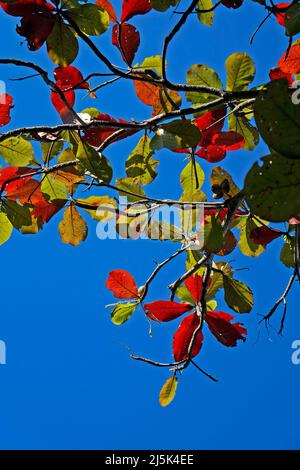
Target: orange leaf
291	63
107	6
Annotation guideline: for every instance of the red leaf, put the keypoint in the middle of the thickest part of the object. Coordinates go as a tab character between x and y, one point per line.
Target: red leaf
226	333
264	235
212	153
280	16
127	39
291	63
194	286
12	176
6	104
122	284
107	6
96	136
232	3
26	7
210	123
36	29
183	337
277	73
229	140
30	194
131	8
60	106
69	77
222	213
45	210
165	310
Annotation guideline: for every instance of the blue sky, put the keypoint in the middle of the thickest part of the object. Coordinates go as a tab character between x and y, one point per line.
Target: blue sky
68	382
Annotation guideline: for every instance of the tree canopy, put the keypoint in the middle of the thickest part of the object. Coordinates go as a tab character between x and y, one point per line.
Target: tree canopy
48	169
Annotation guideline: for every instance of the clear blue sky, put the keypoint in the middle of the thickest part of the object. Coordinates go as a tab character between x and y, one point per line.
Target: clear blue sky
69	383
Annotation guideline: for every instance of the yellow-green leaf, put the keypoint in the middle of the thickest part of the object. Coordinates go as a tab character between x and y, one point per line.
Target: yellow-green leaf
238	295
53	189
246	245
203	76
16	151
90	19
168	391
6	228
208	17
93	162
240	71
105	207
122	312
73	228
140	166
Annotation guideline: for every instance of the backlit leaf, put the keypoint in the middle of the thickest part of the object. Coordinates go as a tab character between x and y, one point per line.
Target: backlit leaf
122	312
73	228
168	391
16	151
238	295
62	44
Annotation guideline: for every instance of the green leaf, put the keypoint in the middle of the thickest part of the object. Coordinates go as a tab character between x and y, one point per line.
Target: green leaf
18	215
240	71
90	19
278	119
192	178
128	184
246	245
184	295
122	312
140	165
211	305
93	162
6	228
50	150
292	20
62	44
287	253
238	295
181	133
16	151
163	5
213	235
206	18
53	189
273	190
168	391
203	76
67	155
242	126
150	63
